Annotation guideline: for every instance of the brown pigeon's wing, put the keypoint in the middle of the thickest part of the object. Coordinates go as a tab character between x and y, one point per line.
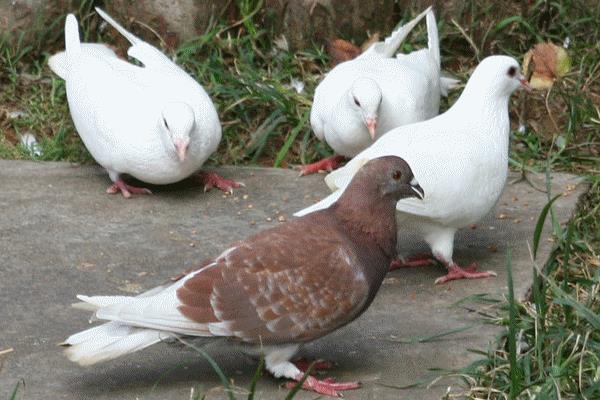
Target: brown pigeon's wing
278	286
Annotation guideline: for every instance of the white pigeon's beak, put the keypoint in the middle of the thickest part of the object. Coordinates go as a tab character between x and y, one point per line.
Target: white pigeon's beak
181	146
371	123
524	83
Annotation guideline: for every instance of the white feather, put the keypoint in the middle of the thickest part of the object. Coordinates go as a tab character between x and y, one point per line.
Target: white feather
409	86
118	108
460	158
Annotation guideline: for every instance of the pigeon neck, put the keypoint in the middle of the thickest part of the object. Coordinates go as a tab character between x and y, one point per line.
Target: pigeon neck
479	100
369	217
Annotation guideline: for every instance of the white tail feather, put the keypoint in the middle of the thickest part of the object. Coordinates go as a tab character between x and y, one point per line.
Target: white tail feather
326	202
72	43
109	341
433	39
448	84
128	35
390	45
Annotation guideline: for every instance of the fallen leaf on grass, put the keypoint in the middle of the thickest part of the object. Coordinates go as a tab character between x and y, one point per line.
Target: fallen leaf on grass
545	63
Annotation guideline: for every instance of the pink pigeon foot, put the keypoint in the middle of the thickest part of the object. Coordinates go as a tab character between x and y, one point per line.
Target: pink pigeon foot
455	272
413	261
212	179
125	189
326	164
327	387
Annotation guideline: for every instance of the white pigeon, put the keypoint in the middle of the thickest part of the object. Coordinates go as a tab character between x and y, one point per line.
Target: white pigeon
361	99
153	122
459	157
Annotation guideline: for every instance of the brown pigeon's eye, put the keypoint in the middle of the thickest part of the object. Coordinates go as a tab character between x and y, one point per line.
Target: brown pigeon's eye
356	102
397	175
512	71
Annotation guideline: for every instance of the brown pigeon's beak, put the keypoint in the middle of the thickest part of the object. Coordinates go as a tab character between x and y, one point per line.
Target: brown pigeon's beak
414	185
181	146
525	83
371	124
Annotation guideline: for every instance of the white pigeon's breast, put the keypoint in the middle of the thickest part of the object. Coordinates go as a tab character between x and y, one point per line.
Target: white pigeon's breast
408	95
117	114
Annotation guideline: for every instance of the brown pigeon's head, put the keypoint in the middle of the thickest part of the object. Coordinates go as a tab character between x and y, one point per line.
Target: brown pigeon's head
391	176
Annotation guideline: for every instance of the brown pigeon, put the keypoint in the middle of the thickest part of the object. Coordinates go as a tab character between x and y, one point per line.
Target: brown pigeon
275	290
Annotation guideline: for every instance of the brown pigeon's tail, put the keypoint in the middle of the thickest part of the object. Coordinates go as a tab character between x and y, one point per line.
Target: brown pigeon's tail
108	341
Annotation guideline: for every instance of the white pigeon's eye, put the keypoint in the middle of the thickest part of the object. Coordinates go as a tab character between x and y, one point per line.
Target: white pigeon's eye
165	122
356	102
512	71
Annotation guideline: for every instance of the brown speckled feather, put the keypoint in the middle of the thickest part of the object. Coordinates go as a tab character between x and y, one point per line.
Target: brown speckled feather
303	279
265	290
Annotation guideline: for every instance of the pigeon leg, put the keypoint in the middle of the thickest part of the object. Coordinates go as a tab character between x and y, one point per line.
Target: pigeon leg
456	272
419	260
326	164
212	179
302	364
126	190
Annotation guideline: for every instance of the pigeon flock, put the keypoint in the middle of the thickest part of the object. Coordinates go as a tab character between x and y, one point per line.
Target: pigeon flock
409	169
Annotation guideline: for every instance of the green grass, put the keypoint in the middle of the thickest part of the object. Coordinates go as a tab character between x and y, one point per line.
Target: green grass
552	342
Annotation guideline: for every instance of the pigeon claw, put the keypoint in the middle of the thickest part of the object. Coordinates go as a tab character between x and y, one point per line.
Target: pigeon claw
455	272
214	180
126	190
326	387
326	164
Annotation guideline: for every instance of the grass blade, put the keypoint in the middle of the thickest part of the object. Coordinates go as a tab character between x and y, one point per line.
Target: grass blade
15	391
537	233
298	386
564	299
255	379
291	138
435	337
214	366
515	371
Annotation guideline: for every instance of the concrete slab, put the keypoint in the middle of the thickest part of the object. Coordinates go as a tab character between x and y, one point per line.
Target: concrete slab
60	235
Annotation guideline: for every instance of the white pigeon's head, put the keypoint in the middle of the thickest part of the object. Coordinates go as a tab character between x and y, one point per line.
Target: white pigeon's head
178	120
364	97
500	74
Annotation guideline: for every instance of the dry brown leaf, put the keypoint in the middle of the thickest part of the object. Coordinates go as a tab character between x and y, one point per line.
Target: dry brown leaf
341	50
545	63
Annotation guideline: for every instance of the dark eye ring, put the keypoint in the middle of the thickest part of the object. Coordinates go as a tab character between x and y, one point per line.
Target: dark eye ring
397	175
356	102
512	71
165	122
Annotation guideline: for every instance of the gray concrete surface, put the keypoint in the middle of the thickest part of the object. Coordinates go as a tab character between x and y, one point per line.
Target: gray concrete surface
61	235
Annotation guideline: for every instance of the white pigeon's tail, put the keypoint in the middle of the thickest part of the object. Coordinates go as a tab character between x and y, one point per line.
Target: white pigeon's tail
433	44
72	43
108	341
128	35
320	205
433	38
447	84
390	45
